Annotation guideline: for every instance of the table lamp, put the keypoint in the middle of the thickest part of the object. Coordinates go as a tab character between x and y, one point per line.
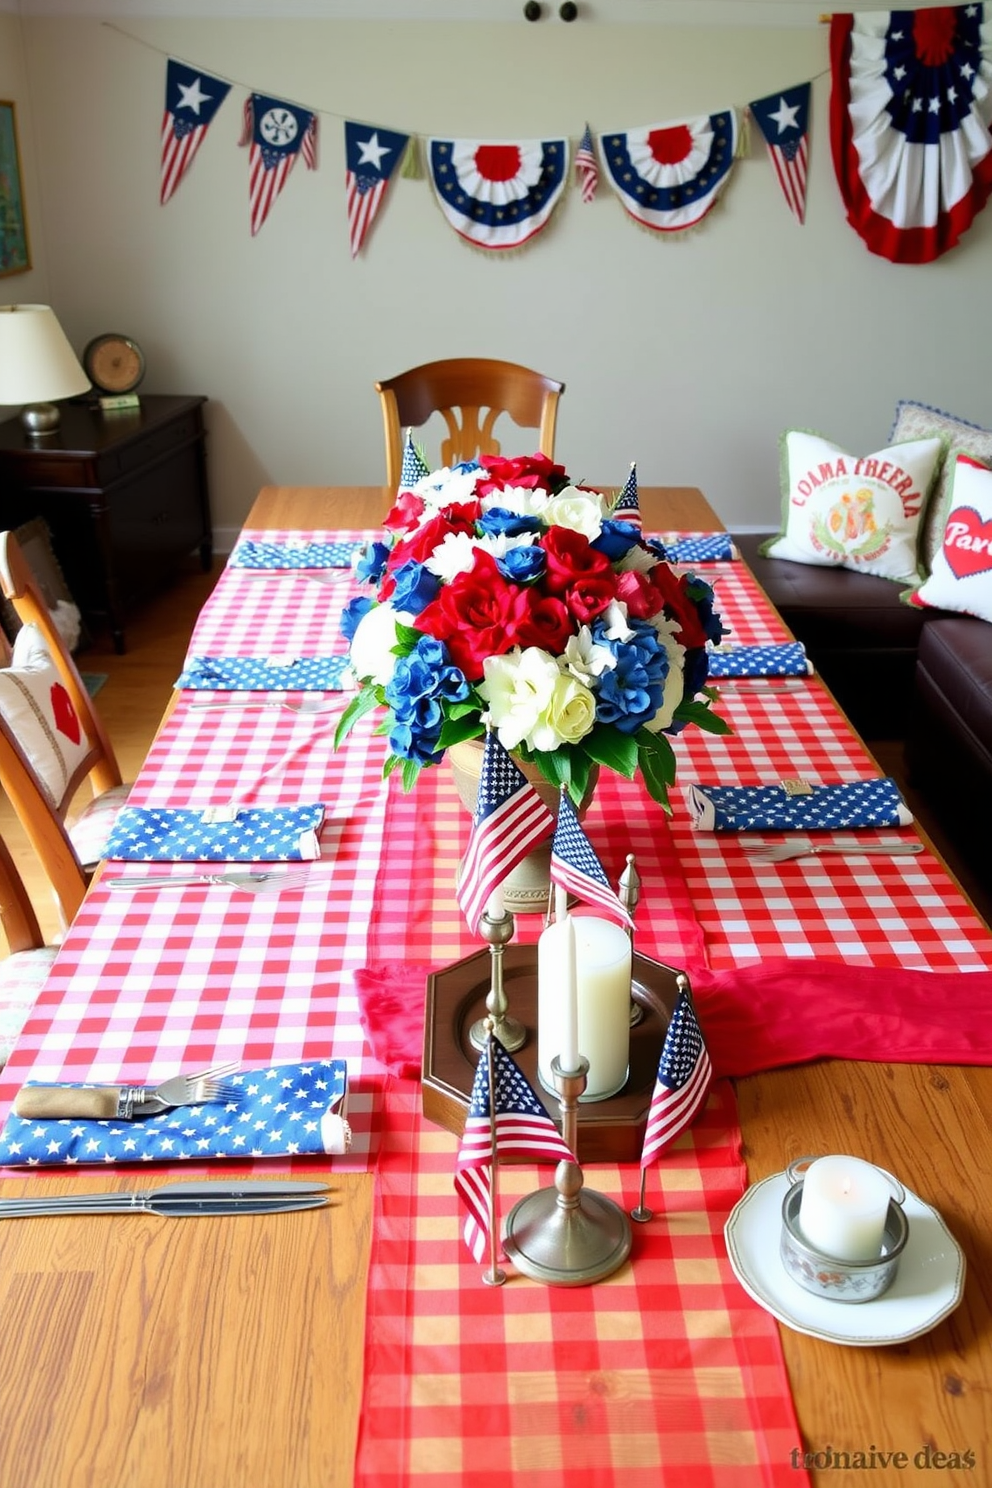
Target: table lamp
37	365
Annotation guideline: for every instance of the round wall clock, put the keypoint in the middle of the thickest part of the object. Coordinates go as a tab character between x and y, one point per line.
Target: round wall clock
113	363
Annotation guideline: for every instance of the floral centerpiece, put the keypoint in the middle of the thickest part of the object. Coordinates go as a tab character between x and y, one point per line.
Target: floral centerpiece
504	595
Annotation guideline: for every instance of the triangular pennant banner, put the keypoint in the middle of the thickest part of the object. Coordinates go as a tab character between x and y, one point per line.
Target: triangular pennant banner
277	132
191	100
371	157
668	176
498	195
783	119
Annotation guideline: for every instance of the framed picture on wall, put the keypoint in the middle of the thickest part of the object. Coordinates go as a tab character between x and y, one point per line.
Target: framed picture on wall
15	257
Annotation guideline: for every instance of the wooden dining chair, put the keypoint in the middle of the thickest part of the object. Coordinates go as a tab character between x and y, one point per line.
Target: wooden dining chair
52	742
24	970
470	394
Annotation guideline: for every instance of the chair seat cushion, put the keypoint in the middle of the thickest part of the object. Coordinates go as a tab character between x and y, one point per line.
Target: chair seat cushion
22	977
89	831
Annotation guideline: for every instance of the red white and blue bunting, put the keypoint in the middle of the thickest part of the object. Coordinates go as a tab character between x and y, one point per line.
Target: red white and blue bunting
910	109
371	156
498	195
783	119
668	176
191	100
278	133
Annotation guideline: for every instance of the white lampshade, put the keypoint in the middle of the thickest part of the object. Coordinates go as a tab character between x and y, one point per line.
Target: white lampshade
37	364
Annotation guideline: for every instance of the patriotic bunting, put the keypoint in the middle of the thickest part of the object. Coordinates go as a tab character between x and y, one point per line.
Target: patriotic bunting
682	1082
371	156
191	100
783	119
910	107
575	866
668	176
627	507
510	819
498	195
587	166
524	1132
278	133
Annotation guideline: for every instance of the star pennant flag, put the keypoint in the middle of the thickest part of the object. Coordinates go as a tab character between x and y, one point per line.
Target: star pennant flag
587	166
682	1082
414	466
909	125
278	133
498	195
371	156
627	507
191	100
575	866
783	119
668	176
524	1130
510	819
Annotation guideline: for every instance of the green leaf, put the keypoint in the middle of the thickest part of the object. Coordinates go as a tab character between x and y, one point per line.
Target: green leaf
455	730
361	704
658	764
607	746
392	760
703	717
554	765
411	770
406	636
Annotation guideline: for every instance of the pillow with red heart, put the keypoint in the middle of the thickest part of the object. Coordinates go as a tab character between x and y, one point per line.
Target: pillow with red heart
961	577
39	713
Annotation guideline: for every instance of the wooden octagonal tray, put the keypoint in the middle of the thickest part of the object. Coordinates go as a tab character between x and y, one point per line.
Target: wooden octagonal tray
608	1131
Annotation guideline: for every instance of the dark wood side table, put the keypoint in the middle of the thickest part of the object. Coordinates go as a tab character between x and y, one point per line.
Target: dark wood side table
124	494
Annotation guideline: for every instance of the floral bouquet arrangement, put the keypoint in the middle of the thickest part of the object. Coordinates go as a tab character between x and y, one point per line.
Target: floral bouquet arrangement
505	596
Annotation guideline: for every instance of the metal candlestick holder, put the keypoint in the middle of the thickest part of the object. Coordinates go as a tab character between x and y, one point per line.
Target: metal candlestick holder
510	1031
568	1235
629	893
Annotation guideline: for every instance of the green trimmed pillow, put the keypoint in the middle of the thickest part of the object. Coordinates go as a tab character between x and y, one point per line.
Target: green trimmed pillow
918	421
849	511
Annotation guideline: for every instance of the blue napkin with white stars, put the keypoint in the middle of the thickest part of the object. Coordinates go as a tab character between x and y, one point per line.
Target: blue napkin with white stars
237	834
252	554
785	659
253	674
827	808
708	548
281	1111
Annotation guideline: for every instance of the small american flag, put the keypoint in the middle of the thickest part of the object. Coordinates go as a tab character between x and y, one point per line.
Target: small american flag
575	866
783	119
682	1083
627	508
587	166
191	100
510	819
414	466
524	1130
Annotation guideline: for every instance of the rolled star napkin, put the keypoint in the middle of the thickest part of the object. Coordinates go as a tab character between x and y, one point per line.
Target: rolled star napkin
785	659
795	806
250	553
217	834
703	547
282	1110
255	674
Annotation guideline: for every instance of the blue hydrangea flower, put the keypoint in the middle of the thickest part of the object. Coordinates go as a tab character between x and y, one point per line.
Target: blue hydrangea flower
702	596
371	562
415	587
631	693
616	539
421	683
498	521
522	565
352	614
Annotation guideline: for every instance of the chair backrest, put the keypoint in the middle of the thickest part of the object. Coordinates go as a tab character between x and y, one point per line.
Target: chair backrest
470	394
78	742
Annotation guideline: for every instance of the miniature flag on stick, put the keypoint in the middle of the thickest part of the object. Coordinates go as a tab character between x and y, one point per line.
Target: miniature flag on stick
414	466
682	1082
587	166
524	1130
783	119
510	819
576	868
191	100
627	508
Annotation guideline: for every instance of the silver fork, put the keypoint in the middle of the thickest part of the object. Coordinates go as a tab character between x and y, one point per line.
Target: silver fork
782	852
251	882
305	704
124	1102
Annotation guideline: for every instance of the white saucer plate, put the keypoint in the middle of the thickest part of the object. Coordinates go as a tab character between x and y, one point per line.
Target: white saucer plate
929	1283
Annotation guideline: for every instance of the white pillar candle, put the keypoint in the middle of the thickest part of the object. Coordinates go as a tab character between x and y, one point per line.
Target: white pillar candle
568	1054
495	907
602	955
843	1208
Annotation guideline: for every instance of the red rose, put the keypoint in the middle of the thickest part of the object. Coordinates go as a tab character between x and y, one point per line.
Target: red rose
477	615
679	606
534	472
406	513
639	594
419	546
590	596
547	623
571	557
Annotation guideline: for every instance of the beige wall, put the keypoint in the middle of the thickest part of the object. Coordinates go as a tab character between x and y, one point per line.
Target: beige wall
689	356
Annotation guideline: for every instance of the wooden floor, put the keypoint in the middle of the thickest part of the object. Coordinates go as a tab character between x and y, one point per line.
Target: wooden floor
139	685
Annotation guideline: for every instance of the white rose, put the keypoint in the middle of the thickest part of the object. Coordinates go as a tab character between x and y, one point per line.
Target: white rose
518	688
446	488
581	511
371	645
584	658
568	717
675	681
520	500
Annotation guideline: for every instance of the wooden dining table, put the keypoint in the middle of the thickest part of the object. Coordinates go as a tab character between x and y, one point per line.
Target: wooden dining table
158	1353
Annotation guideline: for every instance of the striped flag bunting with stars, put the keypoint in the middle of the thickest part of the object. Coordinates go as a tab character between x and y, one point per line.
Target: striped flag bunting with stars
524	1131
371	156
682	1082
277	134
191	100
510	818
587	166
627	507
783	119
575	866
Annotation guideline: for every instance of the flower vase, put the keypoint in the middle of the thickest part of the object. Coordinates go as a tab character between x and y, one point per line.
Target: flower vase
527	889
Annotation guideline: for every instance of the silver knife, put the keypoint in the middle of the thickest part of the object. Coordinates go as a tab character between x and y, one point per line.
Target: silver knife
180	1200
